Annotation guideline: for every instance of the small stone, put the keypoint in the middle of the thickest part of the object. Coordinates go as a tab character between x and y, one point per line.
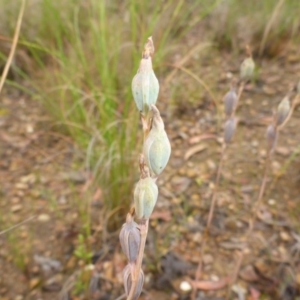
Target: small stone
21	186
43	218
195	197
30	178
208	259
197	237
15	208
254	143
24	234
15	200
262	266
29	128
214	278
282	151
53	284
271	202
248	101
284	236
185	286
276	165
211	164
248	273
34	282
191	173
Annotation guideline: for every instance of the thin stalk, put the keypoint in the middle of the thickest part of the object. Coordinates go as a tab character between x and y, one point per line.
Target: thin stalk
209	219
253	212
214	197
241	89
260	194
137	269
14	45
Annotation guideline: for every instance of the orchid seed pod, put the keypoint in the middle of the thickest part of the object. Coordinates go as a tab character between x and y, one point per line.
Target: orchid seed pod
282	111
230	102
145	86
271	135
229	130
247	69
157	148
145	197
130	239
128	282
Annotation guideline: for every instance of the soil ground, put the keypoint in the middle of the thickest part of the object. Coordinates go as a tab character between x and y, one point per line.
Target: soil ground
40	180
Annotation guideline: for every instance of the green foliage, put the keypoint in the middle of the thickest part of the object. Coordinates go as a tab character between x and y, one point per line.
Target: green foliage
82	251
242	21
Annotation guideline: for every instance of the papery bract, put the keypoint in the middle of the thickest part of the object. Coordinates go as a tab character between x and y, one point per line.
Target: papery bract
229	130
130	239
157	147
128	282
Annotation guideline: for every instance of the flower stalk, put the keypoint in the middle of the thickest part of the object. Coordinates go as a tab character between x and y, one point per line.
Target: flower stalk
156	154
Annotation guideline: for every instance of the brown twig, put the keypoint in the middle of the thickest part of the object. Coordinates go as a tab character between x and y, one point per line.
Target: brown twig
17	225
14	45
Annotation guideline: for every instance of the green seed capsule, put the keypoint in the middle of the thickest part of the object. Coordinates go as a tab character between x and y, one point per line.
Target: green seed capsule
157	147
145	86
130	239
247	69
145	197
282	111
128	282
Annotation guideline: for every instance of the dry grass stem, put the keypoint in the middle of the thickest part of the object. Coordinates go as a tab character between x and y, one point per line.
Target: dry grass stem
13	46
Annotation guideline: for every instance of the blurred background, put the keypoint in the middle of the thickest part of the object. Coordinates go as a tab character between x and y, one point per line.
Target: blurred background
71	136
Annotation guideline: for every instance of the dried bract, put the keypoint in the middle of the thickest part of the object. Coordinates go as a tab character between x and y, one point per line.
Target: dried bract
145	197
229	130
271	135
157	148
282	111
230	102
130	239
128	281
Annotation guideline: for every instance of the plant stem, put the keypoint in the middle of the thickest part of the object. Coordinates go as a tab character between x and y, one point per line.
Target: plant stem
253	213
209	219
14	45
214	197
135	276
260	195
